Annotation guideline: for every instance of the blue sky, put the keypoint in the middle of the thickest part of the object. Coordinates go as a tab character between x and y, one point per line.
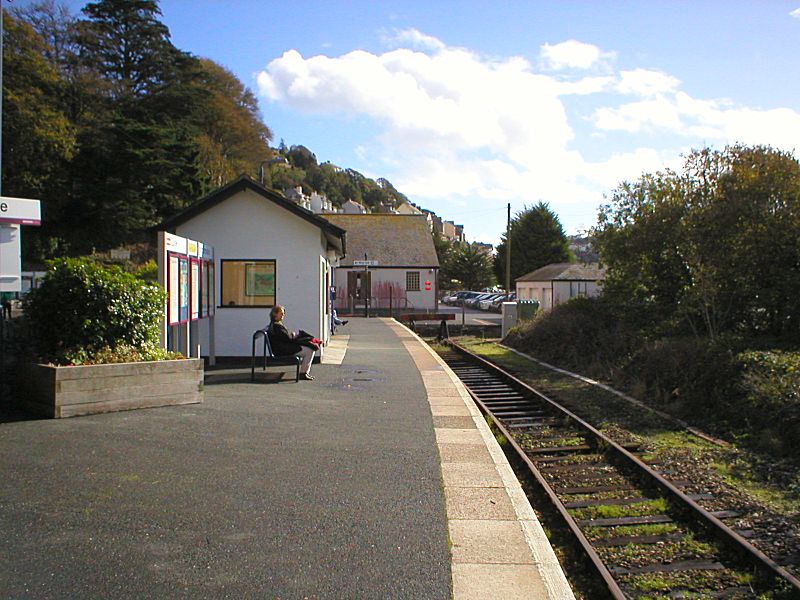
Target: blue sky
465	108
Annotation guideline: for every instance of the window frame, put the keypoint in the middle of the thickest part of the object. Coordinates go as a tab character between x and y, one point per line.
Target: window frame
409	278
245	262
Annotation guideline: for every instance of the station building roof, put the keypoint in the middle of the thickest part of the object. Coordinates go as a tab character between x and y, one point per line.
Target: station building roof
334	234
393	240
566	272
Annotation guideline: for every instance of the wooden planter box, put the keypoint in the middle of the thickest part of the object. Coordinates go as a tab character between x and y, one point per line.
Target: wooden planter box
71	391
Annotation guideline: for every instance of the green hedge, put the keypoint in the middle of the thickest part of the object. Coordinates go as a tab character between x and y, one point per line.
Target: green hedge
583	334
769	388
85	312
731	391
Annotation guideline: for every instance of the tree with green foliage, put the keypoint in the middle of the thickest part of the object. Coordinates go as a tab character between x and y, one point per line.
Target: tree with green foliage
470	265
442	245
713	248
138	159
537	239
125	41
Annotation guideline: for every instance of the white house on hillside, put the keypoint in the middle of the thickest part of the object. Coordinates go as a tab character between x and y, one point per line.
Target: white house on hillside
267	251
351	207
556	283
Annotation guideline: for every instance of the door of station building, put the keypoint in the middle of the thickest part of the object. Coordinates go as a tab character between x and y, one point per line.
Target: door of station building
359	284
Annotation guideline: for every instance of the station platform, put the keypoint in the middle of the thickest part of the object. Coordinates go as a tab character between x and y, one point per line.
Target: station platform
380	479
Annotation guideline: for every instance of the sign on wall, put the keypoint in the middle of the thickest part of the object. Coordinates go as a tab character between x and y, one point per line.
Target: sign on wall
20	211
13	213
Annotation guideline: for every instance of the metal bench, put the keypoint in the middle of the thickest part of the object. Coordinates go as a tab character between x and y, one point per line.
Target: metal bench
412	318
270	358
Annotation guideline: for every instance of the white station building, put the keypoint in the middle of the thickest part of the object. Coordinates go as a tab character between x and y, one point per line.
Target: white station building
267	251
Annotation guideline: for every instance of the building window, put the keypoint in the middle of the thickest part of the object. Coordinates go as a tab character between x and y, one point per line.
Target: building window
247	283
577	288
412	281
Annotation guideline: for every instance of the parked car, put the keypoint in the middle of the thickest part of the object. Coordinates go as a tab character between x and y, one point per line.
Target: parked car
497	303
466	297
486	303
449	298
473	302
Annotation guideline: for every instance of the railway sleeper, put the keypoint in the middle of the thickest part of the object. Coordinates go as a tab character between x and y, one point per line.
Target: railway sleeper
589	479
519	425
726	514
595	489
624	540
582	448
606	502
489	386
514	405
568	459
597	468
683	565
514	414
617	521
489	398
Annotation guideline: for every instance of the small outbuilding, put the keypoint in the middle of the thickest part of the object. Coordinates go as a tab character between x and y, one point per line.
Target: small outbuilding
267	251
556	283
391	262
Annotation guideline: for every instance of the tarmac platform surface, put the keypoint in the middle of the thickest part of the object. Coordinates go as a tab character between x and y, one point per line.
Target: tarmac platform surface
361	484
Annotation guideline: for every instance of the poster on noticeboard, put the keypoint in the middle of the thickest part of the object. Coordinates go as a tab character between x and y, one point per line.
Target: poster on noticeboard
183	289
195	289
174	278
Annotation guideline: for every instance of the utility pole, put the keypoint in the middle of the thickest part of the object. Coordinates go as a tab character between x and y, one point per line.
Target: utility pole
366	287
508	250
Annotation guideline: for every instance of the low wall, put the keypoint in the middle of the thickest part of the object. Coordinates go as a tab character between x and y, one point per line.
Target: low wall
59	392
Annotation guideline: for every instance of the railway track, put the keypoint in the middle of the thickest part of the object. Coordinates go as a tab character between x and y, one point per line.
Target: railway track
643	535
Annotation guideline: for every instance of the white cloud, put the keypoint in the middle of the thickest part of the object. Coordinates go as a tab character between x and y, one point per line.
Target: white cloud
415	39
636	117
710	121
570	54
454	127
646	82
795	13
451	97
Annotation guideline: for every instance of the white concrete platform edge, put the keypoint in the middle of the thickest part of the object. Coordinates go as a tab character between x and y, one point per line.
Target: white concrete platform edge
544	558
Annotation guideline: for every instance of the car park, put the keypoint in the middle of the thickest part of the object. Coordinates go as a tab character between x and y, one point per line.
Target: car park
473	302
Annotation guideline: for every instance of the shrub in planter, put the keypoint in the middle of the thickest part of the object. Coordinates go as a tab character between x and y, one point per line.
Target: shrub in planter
84	311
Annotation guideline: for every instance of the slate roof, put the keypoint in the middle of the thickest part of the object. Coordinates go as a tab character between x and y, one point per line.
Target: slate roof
392	240
335	235
566	272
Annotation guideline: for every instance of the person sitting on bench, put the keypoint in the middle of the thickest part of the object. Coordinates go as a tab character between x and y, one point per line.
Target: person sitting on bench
285	343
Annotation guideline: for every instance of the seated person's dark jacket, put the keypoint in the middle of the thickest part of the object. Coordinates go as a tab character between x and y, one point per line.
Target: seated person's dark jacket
281	341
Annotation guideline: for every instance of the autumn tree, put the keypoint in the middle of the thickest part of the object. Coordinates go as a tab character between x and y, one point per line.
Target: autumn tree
712	248
231	137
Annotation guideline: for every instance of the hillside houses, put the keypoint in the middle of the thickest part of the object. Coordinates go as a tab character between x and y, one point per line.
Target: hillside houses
319	204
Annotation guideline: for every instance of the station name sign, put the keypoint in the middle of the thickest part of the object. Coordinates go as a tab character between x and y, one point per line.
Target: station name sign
21	211
365	263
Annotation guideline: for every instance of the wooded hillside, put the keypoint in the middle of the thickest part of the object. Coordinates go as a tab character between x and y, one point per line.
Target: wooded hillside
115	129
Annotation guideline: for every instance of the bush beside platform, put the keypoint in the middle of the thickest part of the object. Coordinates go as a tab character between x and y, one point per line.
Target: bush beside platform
59	392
